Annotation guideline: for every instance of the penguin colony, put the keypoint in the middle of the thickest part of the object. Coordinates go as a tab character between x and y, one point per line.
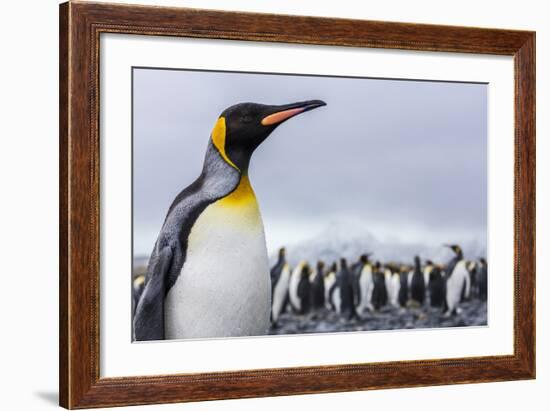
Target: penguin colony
361	289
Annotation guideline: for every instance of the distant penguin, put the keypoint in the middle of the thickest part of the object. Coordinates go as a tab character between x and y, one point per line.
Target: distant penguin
299	288
458	281
304	289
137	289
379	292
318	287
436	284
356	269
330	288
418	287
403	296
280	278
276	270
393	288
387	280
345	283
208	274
426	271
366	287
482	279
472	268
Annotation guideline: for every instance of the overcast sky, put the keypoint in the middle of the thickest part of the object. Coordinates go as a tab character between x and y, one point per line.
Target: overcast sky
406	158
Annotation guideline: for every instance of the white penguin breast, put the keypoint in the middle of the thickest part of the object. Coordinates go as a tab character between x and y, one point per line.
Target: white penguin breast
293	287
456	281
224	287
280	292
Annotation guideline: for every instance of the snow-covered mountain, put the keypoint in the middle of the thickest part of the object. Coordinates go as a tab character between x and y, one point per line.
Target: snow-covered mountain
350	239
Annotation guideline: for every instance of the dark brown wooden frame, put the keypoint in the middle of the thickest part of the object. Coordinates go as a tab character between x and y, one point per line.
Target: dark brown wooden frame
81	24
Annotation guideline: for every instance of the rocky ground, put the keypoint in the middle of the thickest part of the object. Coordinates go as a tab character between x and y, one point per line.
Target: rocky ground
473	313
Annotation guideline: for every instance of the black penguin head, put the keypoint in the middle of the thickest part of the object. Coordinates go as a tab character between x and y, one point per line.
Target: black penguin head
320	265
343	263
429	263
241	128
282	253
364	258
482	261
456	249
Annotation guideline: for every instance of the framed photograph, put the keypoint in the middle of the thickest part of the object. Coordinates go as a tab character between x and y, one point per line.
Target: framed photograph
259	205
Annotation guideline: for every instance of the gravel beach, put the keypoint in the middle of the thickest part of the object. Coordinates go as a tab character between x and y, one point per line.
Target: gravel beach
473	313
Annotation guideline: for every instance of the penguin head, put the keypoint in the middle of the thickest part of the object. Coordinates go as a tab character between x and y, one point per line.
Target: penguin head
139	281
241	128
365	258
482	261
343	263
320	265
282	253
456	248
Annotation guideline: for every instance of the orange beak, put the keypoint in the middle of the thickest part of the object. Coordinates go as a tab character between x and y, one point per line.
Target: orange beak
290	110
281	116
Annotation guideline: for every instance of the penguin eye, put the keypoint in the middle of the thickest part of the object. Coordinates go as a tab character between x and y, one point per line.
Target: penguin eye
246	118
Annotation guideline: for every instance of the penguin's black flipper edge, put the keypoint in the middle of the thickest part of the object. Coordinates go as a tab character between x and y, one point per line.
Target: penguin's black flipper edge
356	289
149	318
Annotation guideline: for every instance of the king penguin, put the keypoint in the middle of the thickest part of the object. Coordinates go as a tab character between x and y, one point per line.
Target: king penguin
482	279
280	276
473	269
395	285
458	281
418	287
318	287
345	282
356	269
277	269
330	283
436	284
208	274
403	295
299	288
137	288
379	292
366	287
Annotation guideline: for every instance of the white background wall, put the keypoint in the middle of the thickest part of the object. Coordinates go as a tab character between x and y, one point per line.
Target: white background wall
29	190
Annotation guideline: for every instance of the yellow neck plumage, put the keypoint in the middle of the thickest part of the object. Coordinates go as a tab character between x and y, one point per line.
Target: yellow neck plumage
243	196
240	208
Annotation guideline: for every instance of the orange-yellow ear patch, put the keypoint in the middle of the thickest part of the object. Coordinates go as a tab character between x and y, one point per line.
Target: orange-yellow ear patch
218	139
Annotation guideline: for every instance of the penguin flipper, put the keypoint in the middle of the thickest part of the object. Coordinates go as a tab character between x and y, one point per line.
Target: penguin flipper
356	290
149	317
